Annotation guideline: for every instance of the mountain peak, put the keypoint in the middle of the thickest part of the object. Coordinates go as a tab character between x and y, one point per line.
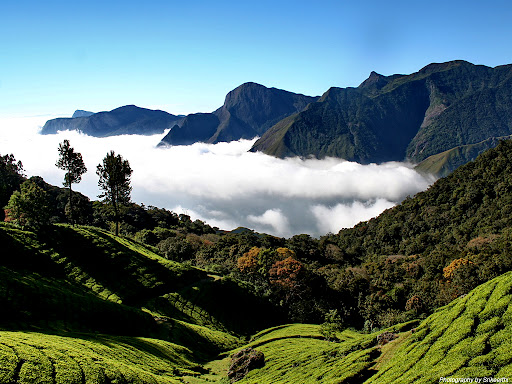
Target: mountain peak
81	113
439	67
375	80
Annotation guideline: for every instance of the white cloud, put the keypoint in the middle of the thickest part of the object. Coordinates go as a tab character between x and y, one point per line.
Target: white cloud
223	184
273	219
332	219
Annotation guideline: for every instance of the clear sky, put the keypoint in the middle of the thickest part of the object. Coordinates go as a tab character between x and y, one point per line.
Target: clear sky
184	56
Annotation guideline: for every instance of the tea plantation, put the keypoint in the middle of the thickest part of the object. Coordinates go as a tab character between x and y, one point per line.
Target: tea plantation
471	337
82	306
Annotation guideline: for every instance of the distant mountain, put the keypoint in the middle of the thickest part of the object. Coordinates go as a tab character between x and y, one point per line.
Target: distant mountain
81	113
129	119
248	111
399	117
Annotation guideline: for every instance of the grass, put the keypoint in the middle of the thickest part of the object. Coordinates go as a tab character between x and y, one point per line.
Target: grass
297	353
470	337
83	306
31	357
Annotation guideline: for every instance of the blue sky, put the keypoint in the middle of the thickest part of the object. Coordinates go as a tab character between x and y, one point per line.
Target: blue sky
183	57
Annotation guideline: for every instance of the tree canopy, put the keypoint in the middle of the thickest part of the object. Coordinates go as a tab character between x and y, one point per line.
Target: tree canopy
114	179
11	176
29	207
71	162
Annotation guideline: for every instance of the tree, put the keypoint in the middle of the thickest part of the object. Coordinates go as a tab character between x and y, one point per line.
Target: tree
248	263
71	162
11	176
114	179
29	207
331	325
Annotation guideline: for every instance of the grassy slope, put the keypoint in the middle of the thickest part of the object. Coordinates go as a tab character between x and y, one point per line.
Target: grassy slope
470	337
444	163
298	354
30	357
59	289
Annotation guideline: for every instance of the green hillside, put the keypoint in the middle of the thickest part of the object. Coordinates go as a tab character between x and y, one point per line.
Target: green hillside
470	337
444	163
80	305
33	357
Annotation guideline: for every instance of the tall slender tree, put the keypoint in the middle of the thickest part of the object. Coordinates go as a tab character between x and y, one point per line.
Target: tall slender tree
71	162
114	179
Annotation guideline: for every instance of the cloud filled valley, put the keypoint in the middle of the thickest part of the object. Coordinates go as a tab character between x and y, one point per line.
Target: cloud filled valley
223	184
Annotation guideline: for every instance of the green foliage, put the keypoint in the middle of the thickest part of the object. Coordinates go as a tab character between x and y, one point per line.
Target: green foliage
29	207
114	179
71	162
463	339
331	325
11	176
404	252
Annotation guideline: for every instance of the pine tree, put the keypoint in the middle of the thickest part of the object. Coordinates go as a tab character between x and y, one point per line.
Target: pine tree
71	162
114	179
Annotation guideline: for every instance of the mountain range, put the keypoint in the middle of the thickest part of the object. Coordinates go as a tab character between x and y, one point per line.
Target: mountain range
452	111
400	117
127	120
248	111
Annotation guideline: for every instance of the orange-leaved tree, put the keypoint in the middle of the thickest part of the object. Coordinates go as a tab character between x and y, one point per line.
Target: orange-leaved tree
248	262
456	264
286	273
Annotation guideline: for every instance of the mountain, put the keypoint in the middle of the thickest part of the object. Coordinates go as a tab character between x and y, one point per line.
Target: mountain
248	111
392	118
126	120
444	163
81	113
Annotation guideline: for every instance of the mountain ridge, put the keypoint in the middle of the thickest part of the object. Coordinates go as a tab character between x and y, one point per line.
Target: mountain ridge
400	117
125	120
248	111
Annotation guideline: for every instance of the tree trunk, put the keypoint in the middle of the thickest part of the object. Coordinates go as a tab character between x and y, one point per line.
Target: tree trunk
71	206
116	216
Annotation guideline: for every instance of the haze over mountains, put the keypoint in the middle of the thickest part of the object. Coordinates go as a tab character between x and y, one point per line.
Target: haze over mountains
126	120
453	111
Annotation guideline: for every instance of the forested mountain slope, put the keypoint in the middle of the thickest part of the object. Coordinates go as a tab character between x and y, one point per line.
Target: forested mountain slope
399	117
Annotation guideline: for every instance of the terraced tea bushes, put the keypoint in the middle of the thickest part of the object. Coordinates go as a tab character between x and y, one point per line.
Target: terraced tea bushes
42	358
299	354
470	337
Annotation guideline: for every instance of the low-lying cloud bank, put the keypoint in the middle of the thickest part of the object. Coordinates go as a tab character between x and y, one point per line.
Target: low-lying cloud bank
223	184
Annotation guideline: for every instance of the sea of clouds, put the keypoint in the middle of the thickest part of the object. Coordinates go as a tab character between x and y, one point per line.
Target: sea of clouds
224	184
